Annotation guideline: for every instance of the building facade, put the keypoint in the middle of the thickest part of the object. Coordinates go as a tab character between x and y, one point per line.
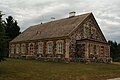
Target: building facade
73	37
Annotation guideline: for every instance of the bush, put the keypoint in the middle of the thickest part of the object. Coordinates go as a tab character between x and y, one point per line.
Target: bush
116	59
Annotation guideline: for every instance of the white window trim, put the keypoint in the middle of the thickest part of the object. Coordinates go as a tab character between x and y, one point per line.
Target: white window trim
23	48
49	47
17	48
31	50
40	47
60	47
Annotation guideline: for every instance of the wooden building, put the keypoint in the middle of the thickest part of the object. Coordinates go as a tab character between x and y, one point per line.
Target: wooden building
73	37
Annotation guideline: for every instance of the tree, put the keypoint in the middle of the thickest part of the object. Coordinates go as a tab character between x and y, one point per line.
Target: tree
12	29
3	39
8	31
114	50
118	49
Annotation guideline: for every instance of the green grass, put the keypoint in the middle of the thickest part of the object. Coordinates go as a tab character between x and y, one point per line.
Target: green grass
14	69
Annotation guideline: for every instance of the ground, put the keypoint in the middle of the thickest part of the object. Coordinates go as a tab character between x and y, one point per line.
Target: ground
15	69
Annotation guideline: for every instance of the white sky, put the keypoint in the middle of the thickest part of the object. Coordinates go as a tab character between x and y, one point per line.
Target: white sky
30	12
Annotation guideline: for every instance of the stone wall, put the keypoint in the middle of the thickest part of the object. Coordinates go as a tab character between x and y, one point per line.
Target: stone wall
44	48
95	49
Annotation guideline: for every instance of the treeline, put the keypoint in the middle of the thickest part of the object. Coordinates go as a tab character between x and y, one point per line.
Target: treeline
114	50
9	29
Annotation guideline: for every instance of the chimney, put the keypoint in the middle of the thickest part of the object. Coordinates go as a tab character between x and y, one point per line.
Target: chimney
52	18
72	14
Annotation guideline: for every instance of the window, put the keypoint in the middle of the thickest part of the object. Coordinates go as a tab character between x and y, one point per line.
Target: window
17	48
40	47
60	47
12	49
89	51
49	48
31	48
23	48
102	50
95	51
82	50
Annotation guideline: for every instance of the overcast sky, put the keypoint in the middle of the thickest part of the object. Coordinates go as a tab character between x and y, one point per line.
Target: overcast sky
30	12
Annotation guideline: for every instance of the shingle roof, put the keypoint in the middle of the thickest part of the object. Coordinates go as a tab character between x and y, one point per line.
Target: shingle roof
57	28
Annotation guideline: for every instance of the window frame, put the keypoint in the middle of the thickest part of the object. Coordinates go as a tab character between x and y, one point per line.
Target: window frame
40	48
49	47
23	48
60	47
17	48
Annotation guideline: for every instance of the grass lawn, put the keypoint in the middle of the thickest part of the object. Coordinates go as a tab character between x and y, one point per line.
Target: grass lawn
14	69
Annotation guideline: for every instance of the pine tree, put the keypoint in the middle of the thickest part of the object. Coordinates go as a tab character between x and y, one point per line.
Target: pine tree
12	28
114	50
3	40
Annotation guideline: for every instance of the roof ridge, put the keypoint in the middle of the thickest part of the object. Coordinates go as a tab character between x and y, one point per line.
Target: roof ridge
63	19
